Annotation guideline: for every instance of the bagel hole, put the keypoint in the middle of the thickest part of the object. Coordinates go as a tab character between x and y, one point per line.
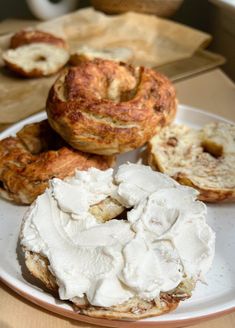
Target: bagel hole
39	137
123	215
40	58
123	89
212	148
128	95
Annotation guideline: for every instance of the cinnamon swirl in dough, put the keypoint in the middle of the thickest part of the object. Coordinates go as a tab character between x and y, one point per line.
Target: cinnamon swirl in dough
36	54
36	155
107	107
203	159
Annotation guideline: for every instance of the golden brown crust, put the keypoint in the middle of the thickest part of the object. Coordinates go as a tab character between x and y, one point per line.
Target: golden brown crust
207	194
35	36
106	107
36	155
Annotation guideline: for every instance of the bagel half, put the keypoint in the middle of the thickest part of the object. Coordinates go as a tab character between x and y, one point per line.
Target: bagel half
35	54
203	159
106	107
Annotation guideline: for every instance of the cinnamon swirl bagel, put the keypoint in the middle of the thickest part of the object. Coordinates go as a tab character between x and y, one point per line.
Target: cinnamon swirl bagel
107	107
35	53
36	155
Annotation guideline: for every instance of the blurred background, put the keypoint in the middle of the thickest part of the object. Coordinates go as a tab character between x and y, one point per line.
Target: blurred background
216	17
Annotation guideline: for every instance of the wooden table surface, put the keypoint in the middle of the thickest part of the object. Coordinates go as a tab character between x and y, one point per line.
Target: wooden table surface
211	91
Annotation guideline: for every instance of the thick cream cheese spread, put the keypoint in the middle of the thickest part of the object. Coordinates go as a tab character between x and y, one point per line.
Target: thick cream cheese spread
164	239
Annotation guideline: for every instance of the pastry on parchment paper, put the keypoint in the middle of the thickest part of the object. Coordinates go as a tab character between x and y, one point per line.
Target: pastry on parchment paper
35	53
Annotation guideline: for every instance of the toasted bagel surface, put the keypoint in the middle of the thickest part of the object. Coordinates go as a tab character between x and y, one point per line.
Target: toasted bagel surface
106	107
34	156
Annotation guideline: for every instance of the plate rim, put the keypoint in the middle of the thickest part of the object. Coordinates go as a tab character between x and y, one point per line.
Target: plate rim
100	321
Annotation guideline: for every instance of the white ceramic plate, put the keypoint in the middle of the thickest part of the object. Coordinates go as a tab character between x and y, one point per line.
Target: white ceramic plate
211	299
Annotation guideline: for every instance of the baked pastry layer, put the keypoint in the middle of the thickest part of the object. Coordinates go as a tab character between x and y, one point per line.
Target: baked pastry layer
105	107
36	155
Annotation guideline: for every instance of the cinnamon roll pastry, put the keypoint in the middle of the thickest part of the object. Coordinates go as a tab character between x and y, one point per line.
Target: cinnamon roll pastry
35	53
107	107
34	156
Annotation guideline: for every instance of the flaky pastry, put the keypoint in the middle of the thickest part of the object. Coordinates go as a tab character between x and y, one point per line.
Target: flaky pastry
36	155
106	107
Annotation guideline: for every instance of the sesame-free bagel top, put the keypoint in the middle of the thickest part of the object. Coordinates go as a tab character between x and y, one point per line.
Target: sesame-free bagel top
106	107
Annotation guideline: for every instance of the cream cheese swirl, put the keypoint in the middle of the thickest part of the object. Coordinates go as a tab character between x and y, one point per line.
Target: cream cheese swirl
164	240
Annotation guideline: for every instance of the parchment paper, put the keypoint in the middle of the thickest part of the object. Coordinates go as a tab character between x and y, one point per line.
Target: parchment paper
155	41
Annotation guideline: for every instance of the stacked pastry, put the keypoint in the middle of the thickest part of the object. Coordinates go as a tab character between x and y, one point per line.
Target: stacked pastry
96	110
114	246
